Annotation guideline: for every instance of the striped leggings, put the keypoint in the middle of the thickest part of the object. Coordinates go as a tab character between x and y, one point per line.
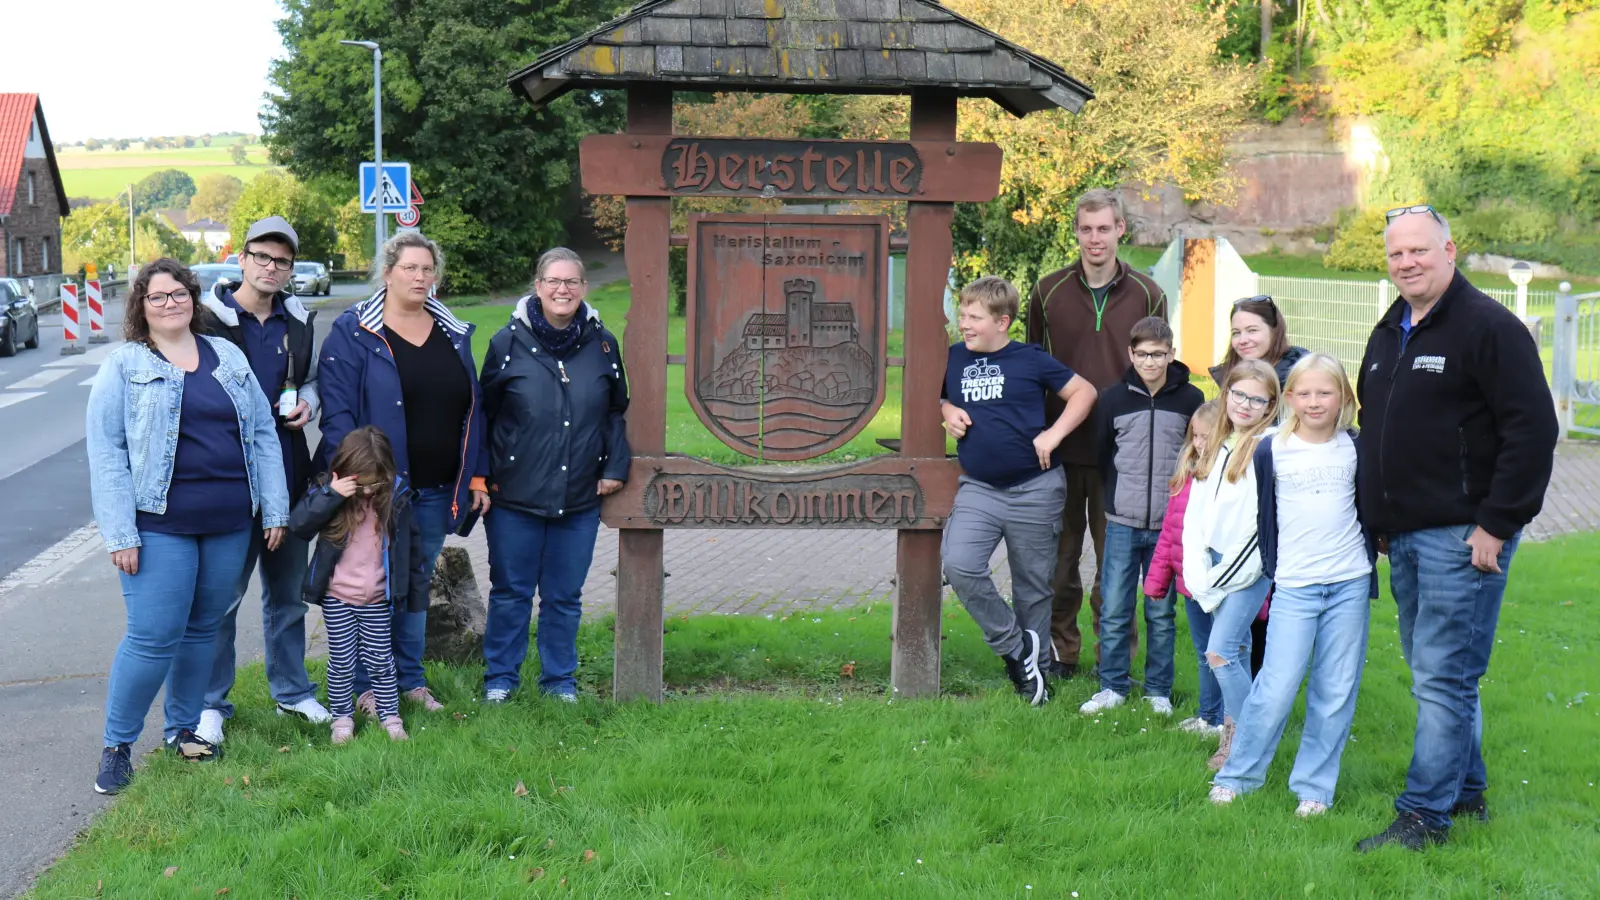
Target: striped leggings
363	628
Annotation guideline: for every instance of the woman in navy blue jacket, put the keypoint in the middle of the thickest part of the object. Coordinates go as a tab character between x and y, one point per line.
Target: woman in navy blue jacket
401	361
555	393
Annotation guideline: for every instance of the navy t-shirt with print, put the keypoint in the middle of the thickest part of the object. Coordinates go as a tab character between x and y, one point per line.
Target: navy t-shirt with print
1004	394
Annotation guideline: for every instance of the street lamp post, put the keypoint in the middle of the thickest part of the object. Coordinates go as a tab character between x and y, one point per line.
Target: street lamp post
377	135
1521	274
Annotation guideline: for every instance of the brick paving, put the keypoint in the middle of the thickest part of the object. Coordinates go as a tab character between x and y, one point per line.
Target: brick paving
759	571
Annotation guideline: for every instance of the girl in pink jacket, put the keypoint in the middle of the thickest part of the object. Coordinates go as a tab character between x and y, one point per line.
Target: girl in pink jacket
1166	567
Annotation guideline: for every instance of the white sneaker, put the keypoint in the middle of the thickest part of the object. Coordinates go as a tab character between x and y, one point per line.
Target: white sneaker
1309	808
1197	725
566	698
1221	796
1161	706
1106	699
308	709
210	725
497	695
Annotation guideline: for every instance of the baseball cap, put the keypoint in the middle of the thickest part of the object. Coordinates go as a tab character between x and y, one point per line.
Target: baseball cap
274	226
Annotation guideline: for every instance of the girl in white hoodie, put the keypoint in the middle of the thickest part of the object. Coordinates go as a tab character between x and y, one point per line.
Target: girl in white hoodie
1221	560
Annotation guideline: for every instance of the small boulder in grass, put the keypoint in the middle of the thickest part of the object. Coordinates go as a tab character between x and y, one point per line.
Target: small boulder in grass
456	611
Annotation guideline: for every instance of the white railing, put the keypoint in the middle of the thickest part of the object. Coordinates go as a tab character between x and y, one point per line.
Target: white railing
1336	317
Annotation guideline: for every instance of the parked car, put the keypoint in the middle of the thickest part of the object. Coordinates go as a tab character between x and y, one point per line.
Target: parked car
232	259
19	318
211	273
311	279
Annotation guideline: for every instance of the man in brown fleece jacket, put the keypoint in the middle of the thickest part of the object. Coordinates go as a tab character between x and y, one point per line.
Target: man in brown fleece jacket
1083	315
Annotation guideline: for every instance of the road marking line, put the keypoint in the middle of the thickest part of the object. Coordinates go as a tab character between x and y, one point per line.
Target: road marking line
39	379
92	358
13	399
55	561
88	382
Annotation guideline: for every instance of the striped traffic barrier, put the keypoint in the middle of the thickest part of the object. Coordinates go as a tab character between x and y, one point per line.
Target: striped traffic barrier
69	319
97	313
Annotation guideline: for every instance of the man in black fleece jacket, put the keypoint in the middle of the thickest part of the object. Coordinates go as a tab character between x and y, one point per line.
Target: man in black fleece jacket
1458	439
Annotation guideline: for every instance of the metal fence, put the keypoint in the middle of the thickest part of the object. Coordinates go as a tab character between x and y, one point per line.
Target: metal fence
1336	317
1576	373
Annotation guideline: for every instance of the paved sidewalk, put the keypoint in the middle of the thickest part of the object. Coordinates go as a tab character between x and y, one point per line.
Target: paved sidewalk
732	572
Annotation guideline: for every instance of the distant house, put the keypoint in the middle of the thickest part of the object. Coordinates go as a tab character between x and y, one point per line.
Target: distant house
32	197
212	233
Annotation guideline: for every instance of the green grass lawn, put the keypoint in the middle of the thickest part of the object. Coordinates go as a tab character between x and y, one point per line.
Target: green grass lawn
103	174
770	774
685	432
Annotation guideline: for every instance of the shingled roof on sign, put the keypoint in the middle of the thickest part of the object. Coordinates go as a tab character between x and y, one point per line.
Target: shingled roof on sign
838	46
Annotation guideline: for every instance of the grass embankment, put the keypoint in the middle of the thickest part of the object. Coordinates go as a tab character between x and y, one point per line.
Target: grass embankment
769	773
104	174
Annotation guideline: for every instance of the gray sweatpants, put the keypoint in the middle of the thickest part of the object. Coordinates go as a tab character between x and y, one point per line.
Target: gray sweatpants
1028	518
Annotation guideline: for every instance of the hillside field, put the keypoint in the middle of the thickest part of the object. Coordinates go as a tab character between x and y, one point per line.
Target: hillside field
103	174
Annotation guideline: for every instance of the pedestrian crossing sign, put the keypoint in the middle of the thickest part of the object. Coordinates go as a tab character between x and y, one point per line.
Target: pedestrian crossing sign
396	187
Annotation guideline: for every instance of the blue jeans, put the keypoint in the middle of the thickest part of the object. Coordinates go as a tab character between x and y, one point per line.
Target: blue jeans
1128	555
1323	627
531	554
1200	635
283	624
1230	642
430	514
1448	614
184	586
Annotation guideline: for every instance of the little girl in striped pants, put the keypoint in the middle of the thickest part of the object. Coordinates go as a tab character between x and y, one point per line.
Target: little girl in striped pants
361	518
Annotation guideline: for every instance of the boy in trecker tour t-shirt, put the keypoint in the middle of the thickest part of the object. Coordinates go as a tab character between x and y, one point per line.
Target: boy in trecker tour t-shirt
994	405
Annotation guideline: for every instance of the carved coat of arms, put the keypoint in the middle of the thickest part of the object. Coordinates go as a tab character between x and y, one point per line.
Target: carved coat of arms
786	329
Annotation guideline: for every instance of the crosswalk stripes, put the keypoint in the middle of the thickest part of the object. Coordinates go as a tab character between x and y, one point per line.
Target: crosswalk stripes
13	399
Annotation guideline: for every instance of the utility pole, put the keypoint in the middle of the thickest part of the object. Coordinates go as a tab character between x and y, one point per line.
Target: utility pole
377	138
131	237
1266	27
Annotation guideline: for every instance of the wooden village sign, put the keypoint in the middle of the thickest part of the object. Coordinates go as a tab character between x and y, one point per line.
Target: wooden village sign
787	314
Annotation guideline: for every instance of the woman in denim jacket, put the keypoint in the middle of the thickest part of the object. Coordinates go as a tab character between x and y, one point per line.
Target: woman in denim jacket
183	456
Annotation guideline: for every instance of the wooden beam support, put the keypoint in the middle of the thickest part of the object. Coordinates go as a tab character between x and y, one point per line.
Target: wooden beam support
641	572
914	663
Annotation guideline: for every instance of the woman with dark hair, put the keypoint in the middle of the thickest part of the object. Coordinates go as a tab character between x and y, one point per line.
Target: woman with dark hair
401	361
183	455
555	393
1259	332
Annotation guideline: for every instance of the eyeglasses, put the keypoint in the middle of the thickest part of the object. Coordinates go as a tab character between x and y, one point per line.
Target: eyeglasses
267	259
179	297
1399	211
411	270
1243	399
368	487
570	284
1142	356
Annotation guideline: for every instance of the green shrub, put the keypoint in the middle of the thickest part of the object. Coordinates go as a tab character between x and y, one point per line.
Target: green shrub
1357	241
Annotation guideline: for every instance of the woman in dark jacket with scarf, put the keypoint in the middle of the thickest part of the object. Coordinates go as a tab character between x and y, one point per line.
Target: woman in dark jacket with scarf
555	393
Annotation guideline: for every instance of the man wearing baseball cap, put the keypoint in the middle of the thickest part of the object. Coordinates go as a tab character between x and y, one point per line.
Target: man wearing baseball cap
274	329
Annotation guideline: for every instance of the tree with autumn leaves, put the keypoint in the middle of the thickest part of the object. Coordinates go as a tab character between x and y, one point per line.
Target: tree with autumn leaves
1165	104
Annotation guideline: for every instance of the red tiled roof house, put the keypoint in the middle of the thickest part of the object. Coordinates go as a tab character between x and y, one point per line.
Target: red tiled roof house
32	197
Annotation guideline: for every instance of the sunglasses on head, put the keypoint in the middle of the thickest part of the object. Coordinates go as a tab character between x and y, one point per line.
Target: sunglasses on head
1399	211
1259	298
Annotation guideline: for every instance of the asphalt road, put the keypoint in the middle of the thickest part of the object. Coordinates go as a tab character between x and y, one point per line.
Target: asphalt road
61	611
44	471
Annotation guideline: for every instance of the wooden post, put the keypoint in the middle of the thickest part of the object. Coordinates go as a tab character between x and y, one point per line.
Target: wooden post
914	665
641	576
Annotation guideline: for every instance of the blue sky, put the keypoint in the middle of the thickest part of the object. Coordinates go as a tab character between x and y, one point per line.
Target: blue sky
135	68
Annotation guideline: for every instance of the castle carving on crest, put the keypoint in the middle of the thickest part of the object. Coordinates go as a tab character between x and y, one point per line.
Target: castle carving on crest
804	322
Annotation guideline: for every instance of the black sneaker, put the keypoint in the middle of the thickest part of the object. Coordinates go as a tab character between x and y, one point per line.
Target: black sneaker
1471	808
1056	670
116	769
1024	670
1409	831
192	747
